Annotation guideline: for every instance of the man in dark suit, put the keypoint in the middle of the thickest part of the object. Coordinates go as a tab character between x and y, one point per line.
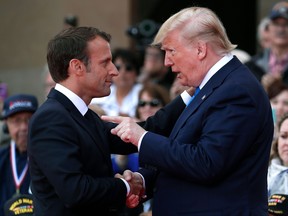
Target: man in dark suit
69	145
215	160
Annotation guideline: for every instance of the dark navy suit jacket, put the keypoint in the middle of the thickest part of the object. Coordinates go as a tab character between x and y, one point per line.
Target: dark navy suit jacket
70	162
215	160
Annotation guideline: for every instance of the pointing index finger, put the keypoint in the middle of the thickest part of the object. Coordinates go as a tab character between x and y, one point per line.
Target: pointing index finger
115	119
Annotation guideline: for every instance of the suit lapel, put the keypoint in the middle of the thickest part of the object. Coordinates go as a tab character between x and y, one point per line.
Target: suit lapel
96	136
189	110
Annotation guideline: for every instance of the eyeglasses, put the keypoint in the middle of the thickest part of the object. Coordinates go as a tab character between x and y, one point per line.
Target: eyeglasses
127	67
153	103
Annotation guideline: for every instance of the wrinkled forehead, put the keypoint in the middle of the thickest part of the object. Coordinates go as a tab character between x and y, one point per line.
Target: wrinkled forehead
172	40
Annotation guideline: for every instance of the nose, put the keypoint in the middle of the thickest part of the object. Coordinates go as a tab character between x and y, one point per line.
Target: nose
23	125
114	71
167	61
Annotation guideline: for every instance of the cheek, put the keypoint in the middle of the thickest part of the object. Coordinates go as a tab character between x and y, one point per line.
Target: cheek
282	147
13	132
155	109
284	156
285	107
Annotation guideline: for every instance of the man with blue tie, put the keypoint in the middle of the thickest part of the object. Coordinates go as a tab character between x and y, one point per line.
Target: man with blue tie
214	162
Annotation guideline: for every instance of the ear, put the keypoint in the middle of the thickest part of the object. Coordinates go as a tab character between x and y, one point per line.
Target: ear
201	49
76	66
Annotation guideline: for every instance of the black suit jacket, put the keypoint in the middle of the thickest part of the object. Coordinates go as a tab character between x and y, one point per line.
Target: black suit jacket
70	162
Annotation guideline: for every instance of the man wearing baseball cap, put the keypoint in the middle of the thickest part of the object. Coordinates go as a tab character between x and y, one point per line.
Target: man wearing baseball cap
273	61
15	177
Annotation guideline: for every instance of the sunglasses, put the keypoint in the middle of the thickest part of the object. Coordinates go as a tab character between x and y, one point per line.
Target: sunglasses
126	67
153	103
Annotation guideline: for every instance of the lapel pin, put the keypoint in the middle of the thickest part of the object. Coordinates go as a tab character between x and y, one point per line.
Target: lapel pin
204	96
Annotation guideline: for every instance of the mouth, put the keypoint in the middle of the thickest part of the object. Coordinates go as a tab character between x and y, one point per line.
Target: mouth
109	82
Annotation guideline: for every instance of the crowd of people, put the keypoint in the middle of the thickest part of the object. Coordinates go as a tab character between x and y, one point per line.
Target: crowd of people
123	137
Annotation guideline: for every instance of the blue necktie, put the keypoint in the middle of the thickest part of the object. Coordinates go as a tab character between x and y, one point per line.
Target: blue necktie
182	118
196	92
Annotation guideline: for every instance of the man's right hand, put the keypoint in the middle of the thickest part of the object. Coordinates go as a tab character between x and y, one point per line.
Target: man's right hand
136	184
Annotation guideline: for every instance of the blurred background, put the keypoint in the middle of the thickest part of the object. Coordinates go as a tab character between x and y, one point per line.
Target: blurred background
26	26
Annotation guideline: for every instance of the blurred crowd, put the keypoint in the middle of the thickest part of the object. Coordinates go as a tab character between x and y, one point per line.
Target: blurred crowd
143	86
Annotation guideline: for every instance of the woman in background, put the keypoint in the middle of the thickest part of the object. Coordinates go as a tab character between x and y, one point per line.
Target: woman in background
123	98
278	168
277	92
152	97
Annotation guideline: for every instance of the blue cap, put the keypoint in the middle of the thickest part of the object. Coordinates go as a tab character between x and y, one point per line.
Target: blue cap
280	10
19	103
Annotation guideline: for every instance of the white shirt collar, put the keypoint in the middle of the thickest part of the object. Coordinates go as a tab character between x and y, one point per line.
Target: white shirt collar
223	61
75	99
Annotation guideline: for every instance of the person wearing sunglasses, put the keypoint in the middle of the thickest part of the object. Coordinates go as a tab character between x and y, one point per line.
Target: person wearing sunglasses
123	99
151	98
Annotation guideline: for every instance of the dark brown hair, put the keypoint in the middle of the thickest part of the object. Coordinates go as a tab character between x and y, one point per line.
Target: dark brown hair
275	88
70	44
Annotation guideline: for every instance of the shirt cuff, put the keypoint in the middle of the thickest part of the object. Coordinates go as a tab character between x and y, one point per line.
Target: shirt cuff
142	179
140	140
127	186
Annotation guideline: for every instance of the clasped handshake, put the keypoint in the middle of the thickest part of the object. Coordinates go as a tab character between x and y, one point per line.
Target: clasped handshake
137	190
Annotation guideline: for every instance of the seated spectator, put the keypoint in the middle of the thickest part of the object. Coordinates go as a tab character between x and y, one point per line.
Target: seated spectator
274	59
14	173
151	98
277	177
277	92
123	98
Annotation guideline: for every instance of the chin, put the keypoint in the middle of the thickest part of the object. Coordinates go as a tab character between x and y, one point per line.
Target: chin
107	93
